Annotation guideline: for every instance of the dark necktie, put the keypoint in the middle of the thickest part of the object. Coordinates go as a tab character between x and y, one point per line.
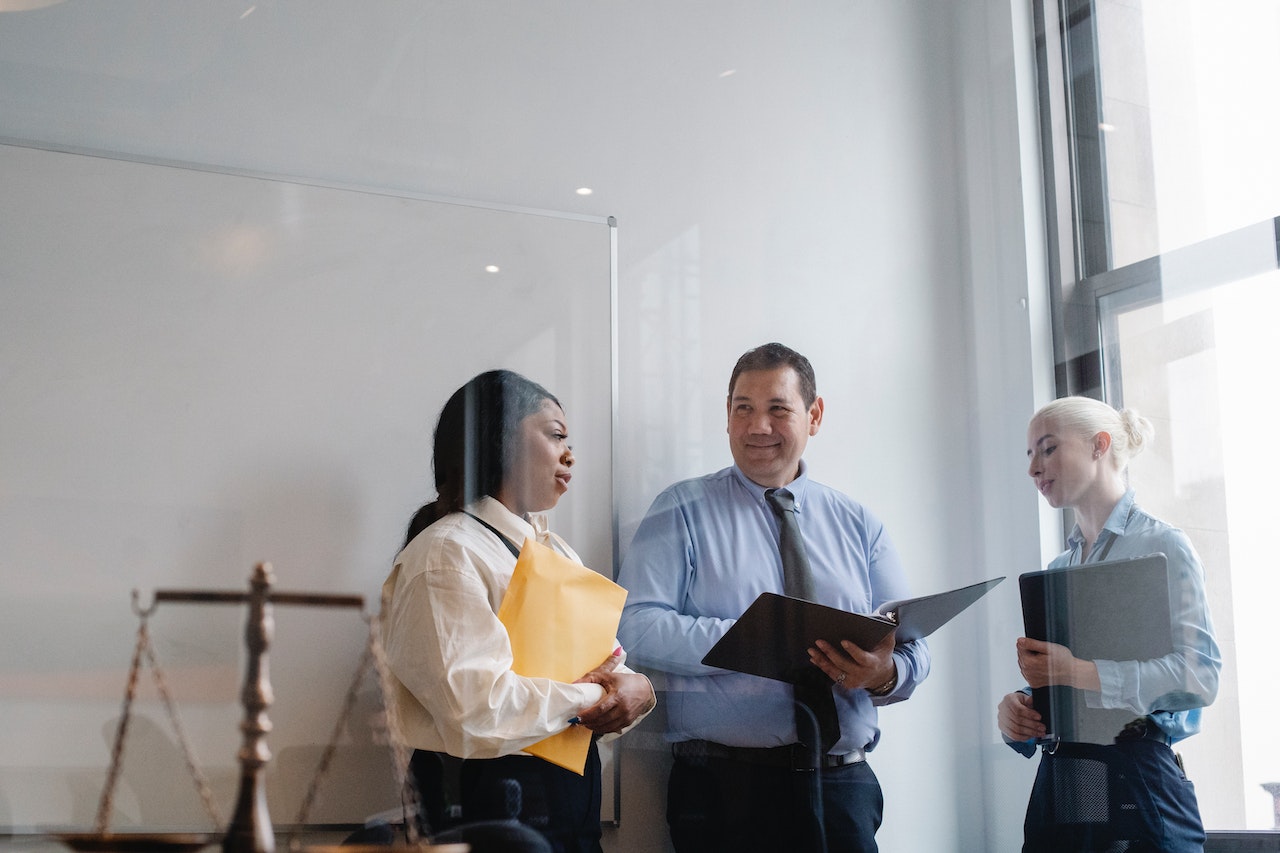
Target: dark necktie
813	688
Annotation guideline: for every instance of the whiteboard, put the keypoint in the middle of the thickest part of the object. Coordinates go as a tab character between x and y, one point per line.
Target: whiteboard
200	371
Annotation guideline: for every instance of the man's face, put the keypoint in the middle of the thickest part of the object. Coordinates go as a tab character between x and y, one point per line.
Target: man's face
769	425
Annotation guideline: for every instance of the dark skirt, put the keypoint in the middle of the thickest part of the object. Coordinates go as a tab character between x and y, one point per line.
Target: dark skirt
561	805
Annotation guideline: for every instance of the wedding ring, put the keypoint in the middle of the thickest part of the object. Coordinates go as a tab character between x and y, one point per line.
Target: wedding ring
840	680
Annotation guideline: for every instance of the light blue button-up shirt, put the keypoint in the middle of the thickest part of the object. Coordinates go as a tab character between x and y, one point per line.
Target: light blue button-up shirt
1170	690
705	550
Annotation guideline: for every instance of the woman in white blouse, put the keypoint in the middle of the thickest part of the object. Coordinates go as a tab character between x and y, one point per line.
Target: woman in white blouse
501	458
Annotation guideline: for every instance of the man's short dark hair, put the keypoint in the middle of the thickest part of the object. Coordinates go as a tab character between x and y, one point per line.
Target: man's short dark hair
772	356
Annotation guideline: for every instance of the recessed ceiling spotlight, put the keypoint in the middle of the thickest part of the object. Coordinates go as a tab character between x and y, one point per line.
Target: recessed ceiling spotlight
248	12
584	191
491	268
1106	127
728	73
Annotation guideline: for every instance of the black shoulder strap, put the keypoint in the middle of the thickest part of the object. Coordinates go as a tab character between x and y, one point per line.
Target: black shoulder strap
511	546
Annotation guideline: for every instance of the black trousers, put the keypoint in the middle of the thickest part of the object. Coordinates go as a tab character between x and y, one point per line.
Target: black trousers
1129	796
717	804
563	806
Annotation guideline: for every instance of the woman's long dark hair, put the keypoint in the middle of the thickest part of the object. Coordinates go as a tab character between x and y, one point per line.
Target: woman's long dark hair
475	440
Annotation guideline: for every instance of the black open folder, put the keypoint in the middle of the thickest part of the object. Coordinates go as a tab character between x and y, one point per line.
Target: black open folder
772	638
1115	610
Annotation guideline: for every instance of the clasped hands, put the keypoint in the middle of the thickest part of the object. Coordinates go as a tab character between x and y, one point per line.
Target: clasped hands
1042	664
852	666
627	697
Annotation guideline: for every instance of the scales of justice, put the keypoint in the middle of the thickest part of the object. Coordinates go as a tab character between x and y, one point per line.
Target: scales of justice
250	830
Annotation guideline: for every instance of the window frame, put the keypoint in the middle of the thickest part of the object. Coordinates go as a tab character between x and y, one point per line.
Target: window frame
1085	294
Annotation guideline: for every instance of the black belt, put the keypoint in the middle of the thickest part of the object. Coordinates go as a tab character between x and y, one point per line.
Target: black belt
1143	728
793	756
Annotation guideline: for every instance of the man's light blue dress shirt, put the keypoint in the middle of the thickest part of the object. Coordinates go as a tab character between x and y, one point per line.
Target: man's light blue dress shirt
705	550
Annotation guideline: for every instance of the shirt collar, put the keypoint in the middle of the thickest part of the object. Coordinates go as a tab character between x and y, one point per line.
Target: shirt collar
1115	523
541	527
506	522
796	487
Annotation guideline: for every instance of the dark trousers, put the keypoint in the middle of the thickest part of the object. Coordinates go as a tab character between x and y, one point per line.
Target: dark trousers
1129	796
716	804
563	806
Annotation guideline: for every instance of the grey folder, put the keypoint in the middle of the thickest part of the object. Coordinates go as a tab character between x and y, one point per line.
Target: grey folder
772	638
1115	610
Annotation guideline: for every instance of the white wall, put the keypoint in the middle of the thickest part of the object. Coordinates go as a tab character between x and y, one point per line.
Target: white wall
846	177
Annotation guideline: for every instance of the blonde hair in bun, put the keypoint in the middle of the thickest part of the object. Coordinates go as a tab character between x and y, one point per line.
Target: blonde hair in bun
1086	417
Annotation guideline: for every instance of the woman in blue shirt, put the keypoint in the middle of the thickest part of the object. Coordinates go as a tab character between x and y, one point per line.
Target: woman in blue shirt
1079	451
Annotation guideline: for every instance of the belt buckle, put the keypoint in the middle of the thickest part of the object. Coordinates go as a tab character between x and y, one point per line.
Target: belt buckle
1143	728
1136	729
827	761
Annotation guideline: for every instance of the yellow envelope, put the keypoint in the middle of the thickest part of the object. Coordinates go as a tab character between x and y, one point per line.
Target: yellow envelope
562	619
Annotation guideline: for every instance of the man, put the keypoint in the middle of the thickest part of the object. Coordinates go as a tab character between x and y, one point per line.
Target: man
744	774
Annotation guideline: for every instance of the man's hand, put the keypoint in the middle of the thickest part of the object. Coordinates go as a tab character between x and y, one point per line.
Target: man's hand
627	697
1044	663
1018	719
852	666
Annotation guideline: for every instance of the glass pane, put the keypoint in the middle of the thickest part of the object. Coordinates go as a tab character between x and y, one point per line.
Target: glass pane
274	402
1203	368
1189	122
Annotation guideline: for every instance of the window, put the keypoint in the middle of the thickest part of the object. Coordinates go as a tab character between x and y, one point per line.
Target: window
1163	187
